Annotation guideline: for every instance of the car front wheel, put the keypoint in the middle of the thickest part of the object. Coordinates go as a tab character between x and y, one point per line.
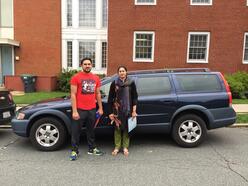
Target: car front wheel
189	130
48	134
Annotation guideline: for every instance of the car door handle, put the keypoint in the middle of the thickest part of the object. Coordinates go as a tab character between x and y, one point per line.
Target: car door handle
167	101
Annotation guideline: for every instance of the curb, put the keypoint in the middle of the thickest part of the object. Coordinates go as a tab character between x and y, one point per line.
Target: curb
5	126
239	125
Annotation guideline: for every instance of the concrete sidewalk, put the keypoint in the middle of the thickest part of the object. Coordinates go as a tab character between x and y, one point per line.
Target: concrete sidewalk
240	108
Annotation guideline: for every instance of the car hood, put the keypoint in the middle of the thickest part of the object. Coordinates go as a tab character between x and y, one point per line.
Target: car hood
49	103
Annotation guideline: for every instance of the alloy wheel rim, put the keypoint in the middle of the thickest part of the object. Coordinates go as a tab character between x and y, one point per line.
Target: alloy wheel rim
190	131
47	135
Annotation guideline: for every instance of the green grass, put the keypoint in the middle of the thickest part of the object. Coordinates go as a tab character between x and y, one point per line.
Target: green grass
242	118
29	98
240	101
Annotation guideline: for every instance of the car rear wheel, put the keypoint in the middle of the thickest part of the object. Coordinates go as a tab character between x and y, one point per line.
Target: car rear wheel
48	134
189	130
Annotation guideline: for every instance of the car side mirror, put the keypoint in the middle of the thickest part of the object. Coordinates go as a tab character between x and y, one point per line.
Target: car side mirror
103	95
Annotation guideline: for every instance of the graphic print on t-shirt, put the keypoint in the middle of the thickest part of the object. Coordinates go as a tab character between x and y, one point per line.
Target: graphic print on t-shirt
88	86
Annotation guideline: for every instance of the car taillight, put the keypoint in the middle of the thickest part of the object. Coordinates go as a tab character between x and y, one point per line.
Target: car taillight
10	98
227	89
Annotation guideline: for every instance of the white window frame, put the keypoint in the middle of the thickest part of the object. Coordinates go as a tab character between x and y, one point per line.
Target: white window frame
12	16
67	12
94	25
95	47
102	15
146	3
201	4
106	54
134	46
208	44
71	54
246	2
244	61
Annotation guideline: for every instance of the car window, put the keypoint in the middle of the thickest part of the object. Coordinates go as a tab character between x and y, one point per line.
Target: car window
105	89
149	86
197	82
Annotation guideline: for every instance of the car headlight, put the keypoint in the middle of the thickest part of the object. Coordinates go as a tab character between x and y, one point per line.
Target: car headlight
20	116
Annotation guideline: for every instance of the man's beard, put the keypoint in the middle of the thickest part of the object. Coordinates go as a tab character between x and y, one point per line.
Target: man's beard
87	71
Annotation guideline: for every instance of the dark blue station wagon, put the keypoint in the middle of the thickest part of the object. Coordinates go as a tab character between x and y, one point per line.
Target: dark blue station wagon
183	102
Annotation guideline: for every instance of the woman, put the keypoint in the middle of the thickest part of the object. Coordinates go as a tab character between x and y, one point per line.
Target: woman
122	102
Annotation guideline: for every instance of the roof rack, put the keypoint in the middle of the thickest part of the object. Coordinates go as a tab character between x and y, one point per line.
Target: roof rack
169	70
187	70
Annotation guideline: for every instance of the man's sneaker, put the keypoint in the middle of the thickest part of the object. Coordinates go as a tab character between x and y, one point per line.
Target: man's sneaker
95	151
73	155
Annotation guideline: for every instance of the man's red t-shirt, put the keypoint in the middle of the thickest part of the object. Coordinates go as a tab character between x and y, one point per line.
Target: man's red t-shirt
86	89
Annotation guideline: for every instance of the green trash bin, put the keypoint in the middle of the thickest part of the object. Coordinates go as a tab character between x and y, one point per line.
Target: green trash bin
29	82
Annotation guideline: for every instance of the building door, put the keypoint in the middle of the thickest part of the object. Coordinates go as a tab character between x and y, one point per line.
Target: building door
6	62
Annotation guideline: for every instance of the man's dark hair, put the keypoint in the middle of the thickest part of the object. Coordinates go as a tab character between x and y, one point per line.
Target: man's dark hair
84	59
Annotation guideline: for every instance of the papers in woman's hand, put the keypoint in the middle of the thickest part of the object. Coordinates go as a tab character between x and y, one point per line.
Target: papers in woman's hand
132	123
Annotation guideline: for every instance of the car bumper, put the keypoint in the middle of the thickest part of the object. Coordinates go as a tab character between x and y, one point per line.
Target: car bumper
10	110
20	127
222	117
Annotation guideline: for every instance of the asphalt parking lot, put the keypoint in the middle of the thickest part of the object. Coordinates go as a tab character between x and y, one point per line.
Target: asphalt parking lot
154	160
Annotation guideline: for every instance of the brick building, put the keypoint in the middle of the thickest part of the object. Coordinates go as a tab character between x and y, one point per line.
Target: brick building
169	34
37	25
43	37
47	36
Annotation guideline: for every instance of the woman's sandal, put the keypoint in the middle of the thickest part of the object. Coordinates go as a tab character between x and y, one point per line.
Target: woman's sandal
125	152
115	152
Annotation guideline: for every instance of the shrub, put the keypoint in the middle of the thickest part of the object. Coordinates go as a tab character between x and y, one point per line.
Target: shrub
238	83
65	77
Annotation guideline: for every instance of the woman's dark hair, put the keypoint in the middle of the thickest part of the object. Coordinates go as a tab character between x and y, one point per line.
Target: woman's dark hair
121	67
84	59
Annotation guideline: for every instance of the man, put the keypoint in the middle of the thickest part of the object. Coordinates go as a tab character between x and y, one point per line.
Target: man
85	91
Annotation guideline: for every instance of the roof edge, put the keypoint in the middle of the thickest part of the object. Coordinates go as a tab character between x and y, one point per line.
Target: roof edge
11	42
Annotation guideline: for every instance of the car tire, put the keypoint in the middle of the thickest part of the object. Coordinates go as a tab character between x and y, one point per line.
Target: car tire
189	130
48	134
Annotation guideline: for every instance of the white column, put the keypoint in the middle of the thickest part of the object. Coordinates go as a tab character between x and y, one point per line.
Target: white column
1	72
64	13
99	11
64	54
13	60
98	55
75	13
75	54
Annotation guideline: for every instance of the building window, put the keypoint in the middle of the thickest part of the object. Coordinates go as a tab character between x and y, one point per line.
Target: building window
143	46
105	13
245	59
198	47
87	13
104	54
69	12
6	13
69	54
87	49
200	2
145	2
